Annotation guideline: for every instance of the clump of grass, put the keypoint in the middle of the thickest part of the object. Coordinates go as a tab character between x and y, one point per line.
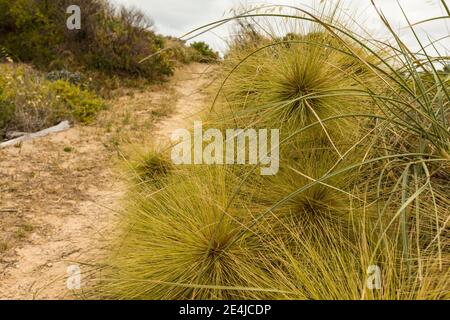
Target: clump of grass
306	211
181	247
149	166
329	266
203	53
294	82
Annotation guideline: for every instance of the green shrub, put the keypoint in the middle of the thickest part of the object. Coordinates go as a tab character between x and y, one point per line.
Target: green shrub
118	42
112	41
82	104
29	102
35	107
28	32
203	53
6	108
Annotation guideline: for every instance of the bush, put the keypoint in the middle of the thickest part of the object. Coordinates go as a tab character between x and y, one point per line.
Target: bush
82	104
111	41
6	113
35	106
29	102
203	53
119	41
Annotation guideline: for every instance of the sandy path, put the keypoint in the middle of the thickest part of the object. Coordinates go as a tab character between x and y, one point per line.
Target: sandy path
64	192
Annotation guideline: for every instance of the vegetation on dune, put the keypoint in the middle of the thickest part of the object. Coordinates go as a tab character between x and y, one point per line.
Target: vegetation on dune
111	41
29	102
178	50
50	73
294	83
148	168
306	212
203	53
83	105
115	45
6	107
363	179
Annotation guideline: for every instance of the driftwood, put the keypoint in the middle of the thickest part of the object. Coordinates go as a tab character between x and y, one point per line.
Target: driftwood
30	136
14	134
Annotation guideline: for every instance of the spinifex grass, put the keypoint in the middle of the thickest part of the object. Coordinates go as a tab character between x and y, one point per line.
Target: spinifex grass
173	243
327	265
303	162
293	84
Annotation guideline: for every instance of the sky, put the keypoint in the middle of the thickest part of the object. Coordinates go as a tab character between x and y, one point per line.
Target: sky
176	17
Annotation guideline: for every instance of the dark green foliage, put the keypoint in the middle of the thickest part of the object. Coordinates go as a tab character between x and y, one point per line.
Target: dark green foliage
112	41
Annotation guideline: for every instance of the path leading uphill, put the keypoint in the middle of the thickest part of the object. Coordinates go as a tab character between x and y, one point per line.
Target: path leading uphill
60	195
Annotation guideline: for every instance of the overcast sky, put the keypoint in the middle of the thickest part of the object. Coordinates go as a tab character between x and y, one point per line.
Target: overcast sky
176	17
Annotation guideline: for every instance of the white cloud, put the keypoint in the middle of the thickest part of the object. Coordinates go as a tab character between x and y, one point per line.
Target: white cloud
176	17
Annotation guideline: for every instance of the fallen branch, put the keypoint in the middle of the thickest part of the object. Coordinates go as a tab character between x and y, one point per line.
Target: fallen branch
15	134
58	128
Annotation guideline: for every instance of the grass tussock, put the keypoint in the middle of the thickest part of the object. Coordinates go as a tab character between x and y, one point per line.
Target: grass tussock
186	243
30	102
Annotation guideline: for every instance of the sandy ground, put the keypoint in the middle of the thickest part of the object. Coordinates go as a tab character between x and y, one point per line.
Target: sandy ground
60	195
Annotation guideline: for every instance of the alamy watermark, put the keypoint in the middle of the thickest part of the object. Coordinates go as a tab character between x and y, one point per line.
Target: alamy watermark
228	148
374	277
73	22
73	281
